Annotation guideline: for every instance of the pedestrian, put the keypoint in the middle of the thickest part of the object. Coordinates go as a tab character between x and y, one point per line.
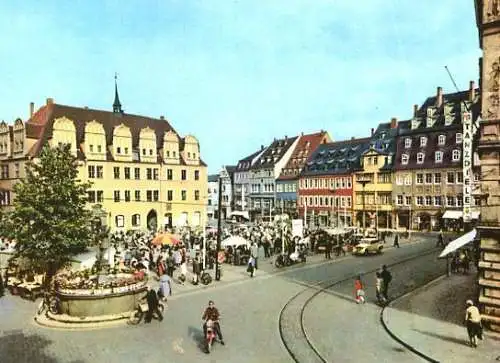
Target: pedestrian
196	270
266	249
254	253
2	289
396	240
152	299
378	288
440	241
165	288
328	249
251	266
386	279
359	290
473	323
170	264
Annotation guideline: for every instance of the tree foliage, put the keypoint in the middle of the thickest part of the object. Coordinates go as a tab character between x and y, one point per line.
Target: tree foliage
49	221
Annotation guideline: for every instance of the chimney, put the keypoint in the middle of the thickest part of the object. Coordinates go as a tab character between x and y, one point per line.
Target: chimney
439	97
50	101
472	91
162	117
352	138
373	131
86	107
286	137
262	147
394	122
415	110
32	109
302	133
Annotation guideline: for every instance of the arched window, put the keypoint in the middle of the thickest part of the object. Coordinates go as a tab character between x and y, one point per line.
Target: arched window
455	156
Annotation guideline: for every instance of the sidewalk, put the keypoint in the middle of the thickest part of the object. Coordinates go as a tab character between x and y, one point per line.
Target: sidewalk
431	321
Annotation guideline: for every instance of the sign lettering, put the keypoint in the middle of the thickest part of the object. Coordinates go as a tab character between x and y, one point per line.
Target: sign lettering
467	165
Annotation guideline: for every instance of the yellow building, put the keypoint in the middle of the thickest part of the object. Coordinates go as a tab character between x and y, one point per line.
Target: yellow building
375	181
143	174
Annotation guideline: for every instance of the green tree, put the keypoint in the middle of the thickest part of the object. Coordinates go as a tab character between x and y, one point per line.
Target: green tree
49	220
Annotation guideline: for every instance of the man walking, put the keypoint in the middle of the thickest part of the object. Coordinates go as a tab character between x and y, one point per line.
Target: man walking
396	240
386	279
328	249
254	252
152	299
473	323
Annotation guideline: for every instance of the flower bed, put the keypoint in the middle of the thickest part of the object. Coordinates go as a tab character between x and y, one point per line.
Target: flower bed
84	283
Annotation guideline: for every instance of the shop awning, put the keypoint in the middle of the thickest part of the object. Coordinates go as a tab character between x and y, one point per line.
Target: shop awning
457	214
459	242
243	214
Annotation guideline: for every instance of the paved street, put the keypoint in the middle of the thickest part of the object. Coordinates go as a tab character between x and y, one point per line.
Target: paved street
250	310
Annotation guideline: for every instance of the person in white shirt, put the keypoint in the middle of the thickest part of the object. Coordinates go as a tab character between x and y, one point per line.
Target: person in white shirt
473	323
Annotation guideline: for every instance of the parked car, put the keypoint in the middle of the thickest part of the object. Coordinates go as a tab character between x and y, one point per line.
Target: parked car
368	246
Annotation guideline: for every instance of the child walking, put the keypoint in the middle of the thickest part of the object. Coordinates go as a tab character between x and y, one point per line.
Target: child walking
359	291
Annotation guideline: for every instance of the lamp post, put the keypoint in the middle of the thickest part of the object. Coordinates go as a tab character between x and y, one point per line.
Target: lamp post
219	230
363	181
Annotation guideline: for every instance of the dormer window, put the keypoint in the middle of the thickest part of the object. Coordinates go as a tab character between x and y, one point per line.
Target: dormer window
423	141
407	143
194	155
430	119
174	154
441	140
404	159
189	155
455	156
458	138
118	150
150	152
91	148
126	151
168	153
420	158
415	123
144	152
99	148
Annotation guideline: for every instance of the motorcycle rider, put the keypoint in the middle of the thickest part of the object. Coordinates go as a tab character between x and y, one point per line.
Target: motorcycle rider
211	313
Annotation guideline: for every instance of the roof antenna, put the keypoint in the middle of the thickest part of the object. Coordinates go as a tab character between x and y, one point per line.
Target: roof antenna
456	87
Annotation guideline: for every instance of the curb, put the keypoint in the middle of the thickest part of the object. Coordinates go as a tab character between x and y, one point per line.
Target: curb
393	335
46	322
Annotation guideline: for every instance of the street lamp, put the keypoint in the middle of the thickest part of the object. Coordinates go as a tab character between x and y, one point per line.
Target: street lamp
363	180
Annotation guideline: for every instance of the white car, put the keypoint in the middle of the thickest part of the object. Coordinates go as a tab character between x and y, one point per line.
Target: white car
368	246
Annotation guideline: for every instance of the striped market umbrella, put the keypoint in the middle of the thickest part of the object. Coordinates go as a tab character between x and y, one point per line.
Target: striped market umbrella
166	239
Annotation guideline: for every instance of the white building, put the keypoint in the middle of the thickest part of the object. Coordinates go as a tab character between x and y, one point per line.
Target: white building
263	175
213	197
241	191
227	176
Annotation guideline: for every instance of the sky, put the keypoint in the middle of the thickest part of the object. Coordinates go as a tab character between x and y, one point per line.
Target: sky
238	73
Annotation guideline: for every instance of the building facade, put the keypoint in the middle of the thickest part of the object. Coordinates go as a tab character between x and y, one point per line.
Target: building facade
242	185
428	185
287	183
227	176
488	23
326	183
373	201
143	174
263	175
213	197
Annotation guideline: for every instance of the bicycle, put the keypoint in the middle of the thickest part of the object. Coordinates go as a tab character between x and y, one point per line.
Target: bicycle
50	302
140	312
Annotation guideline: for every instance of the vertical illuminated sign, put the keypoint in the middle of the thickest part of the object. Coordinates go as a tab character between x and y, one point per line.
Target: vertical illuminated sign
467	165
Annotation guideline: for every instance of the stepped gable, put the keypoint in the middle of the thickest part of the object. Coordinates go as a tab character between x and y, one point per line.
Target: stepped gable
342	157
305	147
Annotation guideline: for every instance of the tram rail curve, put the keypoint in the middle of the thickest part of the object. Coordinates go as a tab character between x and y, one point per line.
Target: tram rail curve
295	340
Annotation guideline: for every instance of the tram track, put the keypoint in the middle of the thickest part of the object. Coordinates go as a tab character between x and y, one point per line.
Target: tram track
292	331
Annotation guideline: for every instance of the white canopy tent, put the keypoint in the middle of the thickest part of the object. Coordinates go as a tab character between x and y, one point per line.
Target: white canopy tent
235	240
459	242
